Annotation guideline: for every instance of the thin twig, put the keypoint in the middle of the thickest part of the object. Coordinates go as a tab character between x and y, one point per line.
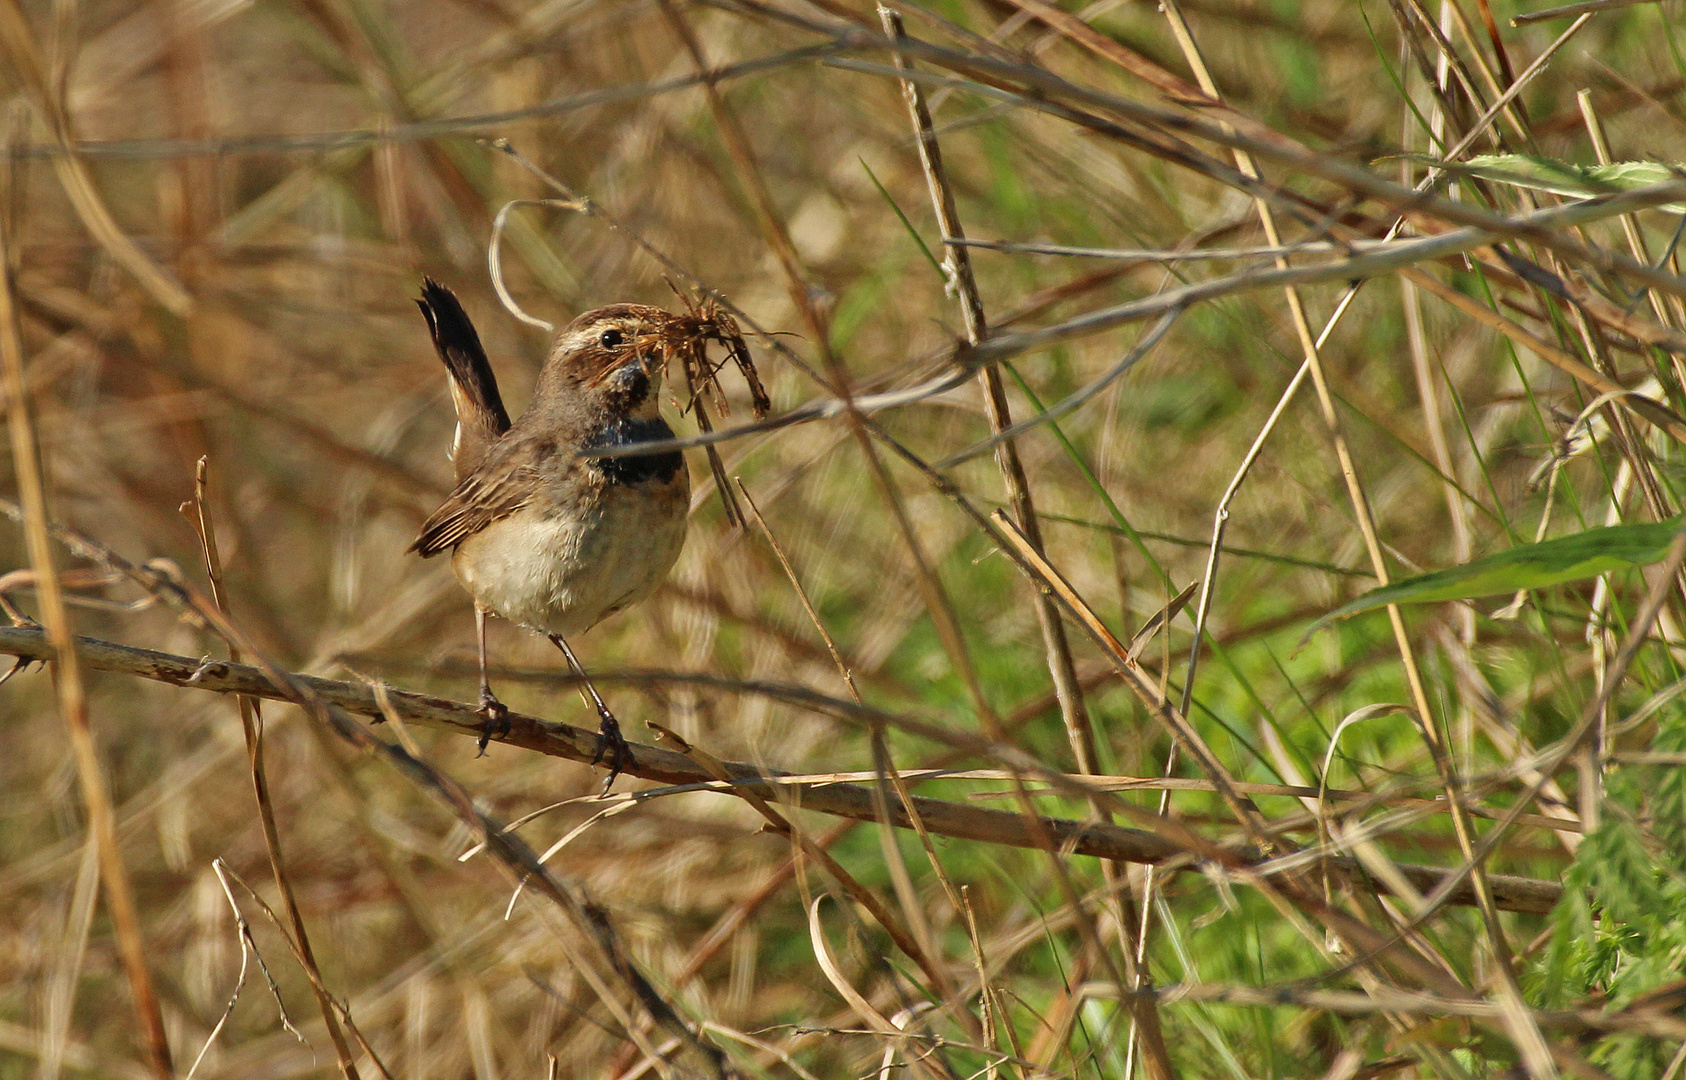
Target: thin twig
251	726
1074	713
248	950
1399	259
1593	6
936	599
1254	138
416	131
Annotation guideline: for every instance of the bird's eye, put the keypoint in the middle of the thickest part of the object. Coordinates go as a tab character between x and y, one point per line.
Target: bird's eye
611	339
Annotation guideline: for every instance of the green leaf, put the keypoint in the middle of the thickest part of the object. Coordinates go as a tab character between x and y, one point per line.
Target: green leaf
1528	566
1563	178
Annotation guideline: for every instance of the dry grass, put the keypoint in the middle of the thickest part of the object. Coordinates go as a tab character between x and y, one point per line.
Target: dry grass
225	270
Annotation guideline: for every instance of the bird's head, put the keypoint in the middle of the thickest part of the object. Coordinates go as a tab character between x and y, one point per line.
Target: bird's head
610	360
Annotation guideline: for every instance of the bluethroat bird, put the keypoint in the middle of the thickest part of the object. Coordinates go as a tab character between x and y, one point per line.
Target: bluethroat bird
540	531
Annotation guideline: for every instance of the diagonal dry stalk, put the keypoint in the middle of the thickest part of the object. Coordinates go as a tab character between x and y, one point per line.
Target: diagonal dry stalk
1183	734
20	45
251	726
958	264
887	774
1073	712
1522	1027
1310	365
67	672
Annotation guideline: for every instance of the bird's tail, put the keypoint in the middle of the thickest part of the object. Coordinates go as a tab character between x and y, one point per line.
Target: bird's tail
481	418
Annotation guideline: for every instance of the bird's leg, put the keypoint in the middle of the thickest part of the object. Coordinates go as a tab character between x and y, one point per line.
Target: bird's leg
494	716
610	743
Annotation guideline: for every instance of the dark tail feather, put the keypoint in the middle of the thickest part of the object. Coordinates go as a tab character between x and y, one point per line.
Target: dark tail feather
459	346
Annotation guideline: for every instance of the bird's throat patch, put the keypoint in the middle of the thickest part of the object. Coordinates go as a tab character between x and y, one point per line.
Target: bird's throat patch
635	468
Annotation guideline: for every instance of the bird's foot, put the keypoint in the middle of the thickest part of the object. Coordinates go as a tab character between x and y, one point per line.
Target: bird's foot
611	747
494	719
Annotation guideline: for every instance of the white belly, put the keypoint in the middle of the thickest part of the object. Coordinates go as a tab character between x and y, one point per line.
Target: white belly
561	574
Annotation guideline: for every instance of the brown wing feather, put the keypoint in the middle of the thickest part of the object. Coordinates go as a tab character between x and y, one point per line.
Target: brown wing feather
486	496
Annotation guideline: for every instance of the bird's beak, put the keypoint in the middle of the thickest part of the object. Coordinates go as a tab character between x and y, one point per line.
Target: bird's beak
652	354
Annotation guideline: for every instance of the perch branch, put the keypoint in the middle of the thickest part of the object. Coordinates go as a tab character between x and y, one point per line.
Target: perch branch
665	766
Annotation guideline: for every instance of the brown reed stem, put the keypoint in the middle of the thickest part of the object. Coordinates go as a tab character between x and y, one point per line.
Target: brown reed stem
60	650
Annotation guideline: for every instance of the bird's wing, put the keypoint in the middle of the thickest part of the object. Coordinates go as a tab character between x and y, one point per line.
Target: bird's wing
504	484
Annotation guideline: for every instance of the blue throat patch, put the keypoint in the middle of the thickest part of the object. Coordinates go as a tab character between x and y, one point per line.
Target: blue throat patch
636	468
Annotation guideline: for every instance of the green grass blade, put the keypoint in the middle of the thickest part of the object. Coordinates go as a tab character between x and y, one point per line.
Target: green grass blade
1567	178
906	224
1528	566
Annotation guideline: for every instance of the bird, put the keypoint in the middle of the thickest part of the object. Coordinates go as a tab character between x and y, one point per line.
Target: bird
542	532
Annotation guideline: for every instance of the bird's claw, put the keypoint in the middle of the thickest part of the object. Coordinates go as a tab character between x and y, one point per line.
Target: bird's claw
494	720
612	747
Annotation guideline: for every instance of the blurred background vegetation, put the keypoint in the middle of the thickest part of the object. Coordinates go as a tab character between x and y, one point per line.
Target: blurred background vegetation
225	266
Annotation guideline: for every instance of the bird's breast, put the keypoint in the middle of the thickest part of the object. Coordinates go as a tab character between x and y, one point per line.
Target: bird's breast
562	563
